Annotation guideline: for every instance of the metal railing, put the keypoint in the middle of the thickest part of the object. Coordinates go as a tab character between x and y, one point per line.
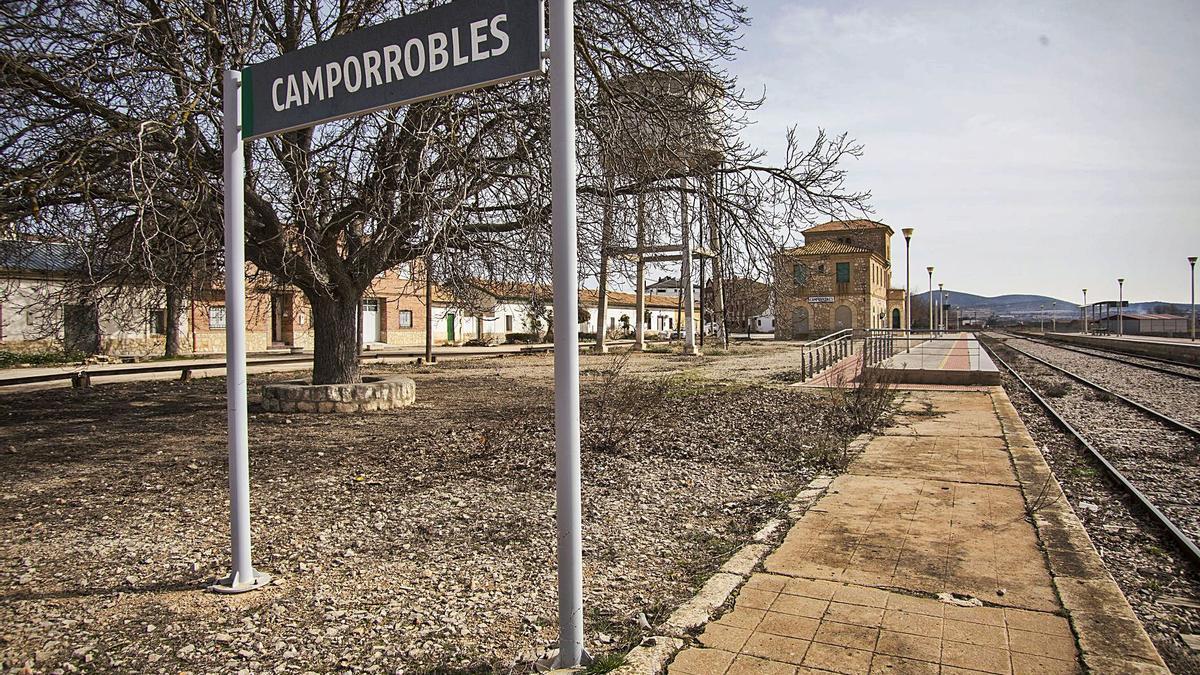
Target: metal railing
821	353
879	344
921	350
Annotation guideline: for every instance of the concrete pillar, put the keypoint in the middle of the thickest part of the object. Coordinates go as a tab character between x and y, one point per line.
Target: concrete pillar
602	302
685	274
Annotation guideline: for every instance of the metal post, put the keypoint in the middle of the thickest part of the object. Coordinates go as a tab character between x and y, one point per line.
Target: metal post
685	273
1120	308
908	233
429	308
566	334
639	334
242	577
1192	262
1053	318
1085	313
930	270
941	311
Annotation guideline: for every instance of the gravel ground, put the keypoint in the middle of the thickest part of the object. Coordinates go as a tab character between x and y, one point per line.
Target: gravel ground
1174	396
1161	583
1189	370
418	540
1163	462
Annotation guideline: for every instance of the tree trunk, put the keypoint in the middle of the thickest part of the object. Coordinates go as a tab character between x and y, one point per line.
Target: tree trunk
335	343
173	312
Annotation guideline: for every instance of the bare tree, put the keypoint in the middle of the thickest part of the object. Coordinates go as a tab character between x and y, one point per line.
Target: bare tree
114	106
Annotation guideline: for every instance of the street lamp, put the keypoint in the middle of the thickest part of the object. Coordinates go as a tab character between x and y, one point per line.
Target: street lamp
908	232
941	313
1053	319
930	270
1042	318
1120	308
1085	313
1192	262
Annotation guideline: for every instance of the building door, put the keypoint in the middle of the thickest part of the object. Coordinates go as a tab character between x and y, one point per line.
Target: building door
81	328
800	323
281	318
843	318
896	317
449	328
370	320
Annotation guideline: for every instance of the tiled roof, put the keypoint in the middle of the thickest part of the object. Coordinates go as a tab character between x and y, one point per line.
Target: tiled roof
40	256
590	297
825	247
841	225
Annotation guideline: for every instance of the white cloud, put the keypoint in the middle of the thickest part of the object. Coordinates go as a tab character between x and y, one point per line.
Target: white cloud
1036	146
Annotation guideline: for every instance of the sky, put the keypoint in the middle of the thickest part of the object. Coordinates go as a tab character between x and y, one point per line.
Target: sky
1036	147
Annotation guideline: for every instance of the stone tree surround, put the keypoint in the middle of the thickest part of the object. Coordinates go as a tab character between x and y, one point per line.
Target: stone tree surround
374	393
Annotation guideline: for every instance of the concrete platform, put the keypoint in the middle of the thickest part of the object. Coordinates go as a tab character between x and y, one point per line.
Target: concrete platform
1178	349
955	359
954	499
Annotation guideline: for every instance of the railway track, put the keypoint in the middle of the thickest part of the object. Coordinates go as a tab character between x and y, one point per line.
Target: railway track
1173	399
1151	363
1156	462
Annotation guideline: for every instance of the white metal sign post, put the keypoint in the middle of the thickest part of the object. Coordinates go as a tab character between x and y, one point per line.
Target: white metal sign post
566	334
243	576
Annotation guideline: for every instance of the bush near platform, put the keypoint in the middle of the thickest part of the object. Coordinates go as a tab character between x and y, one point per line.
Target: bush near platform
9	359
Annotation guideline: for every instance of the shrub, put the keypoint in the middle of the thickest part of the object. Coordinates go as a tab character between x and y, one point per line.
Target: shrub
9	359
617	408
521	338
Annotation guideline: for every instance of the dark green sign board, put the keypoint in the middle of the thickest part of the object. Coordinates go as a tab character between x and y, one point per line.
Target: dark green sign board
454	47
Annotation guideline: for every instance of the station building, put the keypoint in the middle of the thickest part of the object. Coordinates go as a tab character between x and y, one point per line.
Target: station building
840	278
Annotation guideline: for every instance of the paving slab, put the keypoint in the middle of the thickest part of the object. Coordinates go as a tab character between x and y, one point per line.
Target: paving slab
927	557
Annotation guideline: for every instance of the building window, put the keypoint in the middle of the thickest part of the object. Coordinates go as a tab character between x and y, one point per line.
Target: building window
158	321
406	318
800	273
216	316
843	273
508	323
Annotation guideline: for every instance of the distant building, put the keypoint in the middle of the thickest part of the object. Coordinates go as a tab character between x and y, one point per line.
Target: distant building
668	286
1161	325
840	278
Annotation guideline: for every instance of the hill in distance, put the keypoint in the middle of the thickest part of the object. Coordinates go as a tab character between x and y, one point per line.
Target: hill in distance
1018	303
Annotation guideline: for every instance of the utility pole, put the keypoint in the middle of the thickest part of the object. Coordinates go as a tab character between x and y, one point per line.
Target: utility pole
1042	318
1053	318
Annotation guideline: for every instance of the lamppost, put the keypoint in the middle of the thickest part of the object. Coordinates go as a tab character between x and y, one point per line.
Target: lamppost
1042	318
1192	262
1085	313
1053	318
908	232
930	270
941	313
1120	307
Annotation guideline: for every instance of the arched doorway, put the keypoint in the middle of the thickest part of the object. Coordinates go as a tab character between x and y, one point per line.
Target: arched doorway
800	322
843	317
895	317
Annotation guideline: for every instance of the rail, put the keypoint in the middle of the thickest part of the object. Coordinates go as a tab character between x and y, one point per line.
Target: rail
1162	417
1180	536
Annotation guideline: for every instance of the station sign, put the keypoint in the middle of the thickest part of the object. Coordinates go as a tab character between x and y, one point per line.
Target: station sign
455	47
820	299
